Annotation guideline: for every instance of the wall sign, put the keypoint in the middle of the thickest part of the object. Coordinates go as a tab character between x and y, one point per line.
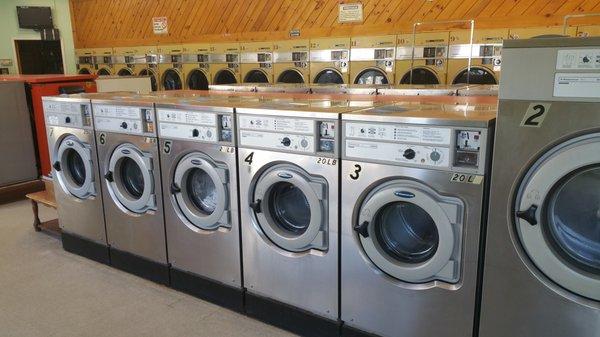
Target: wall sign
159	25
350	13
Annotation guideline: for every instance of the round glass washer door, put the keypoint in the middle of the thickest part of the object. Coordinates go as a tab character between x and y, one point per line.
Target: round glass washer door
371	76
74	167
420	76
130	179
329	76
290	208
199	189
411	233
557	215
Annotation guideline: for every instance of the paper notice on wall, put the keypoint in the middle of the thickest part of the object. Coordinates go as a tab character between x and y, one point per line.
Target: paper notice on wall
159	25
578	85
350	13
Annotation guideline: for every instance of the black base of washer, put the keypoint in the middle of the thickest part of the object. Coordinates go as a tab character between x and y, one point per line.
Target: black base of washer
140	266
206	289
290	318
85	247
353	332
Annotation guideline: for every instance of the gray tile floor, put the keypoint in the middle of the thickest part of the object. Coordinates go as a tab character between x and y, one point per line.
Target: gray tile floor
45	291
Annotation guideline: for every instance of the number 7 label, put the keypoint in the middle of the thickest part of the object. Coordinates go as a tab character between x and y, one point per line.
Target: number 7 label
535	115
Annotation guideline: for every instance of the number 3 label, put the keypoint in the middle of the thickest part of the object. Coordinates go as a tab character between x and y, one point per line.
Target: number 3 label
535	115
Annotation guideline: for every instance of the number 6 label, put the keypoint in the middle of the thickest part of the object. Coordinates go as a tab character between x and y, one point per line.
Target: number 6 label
535	115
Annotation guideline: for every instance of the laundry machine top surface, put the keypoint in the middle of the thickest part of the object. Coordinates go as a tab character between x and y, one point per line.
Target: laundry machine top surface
421	90
307	108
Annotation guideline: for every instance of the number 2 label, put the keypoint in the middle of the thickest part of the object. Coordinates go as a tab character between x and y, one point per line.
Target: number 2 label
535	115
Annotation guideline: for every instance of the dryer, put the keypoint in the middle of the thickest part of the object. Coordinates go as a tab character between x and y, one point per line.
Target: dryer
588	31
256	62
329	60
146	64
85	61
531	32
128	157
225	63
291	61
430	64
196	66
485	54
124	60
542	258
199	179
372	60
413	194
170	67
289	183
103	61
75	175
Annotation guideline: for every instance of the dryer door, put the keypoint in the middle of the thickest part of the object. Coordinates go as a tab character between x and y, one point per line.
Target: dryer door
411	232
171	80
225	76
329	76
420	76
557	215
290	207
290	76
74	169
130	179
371	76
199	187
152	74
197	80
476	76
256	76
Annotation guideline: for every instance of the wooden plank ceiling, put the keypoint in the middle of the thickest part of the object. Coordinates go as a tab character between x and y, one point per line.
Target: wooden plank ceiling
101	23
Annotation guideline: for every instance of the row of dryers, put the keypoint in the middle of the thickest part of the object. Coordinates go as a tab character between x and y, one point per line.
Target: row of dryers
317	214
187	191
433	58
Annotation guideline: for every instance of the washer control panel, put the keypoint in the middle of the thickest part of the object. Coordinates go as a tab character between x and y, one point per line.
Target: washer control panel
288	134
446	148
68	114
193	125
133	120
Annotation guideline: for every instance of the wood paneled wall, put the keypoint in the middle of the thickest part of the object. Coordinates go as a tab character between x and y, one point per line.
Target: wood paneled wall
102	23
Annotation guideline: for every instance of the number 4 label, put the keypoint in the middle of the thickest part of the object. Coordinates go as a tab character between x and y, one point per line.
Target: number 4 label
535	115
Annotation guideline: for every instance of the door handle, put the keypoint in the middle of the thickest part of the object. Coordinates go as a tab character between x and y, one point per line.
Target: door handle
109	176
256	206
362	229
175	189
56	165
529	215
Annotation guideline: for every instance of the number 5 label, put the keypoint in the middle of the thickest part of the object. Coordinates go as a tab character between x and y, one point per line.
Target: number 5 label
535	115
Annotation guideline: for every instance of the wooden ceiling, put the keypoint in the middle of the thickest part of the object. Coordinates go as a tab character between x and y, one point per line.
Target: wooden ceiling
101	23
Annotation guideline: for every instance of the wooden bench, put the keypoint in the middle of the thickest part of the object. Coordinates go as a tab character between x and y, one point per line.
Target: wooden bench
47	199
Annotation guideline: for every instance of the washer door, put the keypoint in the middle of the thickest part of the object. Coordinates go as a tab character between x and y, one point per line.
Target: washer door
420	76
477	76
74	169
197	80
557	215
371	76
125	72
256	76
411	233
130	179
291	208
152	74
200	188
329	76
290	76
225	76
171	80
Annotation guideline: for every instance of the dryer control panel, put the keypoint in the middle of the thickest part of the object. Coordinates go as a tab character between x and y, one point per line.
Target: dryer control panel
74	114
193	125
134	120
445	148
289	134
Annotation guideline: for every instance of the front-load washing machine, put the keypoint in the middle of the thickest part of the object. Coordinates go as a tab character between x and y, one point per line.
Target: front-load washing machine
289	186
77	190
425	61
146	64
225	63
291	61
103	61
542	258
195	66
199	179
129	163
372	60
485	54
329	60
256	62
85	61
413	199
170	67
124	60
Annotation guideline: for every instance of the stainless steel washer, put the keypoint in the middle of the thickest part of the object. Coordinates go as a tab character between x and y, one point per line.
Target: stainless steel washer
199	179
130	166
289	183
75	174
542	260
413	189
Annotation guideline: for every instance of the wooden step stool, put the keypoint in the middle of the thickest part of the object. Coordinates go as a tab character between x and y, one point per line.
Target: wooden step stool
47	199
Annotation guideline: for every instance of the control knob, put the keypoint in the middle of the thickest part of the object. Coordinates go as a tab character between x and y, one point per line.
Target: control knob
409	154
124	125
67	119
435	156
286	141
195	133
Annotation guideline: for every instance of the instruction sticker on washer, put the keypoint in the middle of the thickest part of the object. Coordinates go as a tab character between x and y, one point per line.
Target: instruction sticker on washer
187	117
277	124
401	133
129	112
581	85
578	59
